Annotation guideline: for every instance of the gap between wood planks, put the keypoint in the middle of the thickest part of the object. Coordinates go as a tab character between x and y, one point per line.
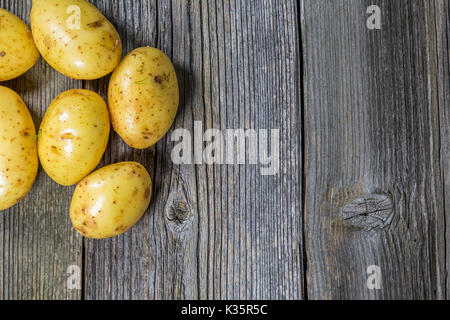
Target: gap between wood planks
301	81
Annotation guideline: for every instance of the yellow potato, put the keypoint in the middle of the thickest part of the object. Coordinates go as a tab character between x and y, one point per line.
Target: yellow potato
143	97
111	200
18	53
18	152
73	136
75	38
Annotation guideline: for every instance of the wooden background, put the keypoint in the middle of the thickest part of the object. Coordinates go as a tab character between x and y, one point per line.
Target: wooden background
364	178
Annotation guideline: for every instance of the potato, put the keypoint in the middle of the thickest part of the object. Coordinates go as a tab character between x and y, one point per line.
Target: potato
18	53
73	136
75	38
111	200
143	97
18	152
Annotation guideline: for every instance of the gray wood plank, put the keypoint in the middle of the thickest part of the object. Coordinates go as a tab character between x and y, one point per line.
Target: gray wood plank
442	83
213	231
250	81
37	241
374	156
119	268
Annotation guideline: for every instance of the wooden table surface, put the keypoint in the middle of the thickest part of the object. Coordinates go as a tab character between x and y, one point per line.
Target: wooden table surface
364	121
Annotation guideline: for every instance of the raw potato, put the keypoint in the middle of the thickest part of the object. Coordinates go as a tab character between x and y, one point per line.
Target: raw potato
88	50
18	152
143	97
73	136
18	53
111	200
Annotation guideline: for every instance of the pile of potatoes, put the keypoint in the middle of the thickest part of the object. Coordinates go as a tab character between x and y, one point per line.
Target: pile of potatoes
143	99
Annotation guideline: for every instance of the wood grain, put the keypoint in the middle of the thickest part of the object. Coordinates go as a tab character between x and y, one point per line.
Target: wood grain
374	104
37	241
441	83
117	268
213	231
364	159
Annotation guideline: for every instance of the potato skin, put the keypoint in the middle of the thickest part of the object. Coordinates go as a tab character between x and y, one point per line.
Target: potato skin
111	200
73	136
143	97
18	152
18	53
88	53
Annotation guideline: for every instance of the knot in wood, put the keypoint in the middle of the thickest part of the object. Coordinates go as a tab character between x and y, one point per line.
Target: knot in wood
178	212
370	212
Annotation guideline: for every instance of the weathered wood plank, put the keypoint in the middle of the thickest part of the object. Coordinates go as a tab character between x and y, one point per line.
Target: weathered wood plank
377	151
37	241
118	268
374	192
442	84
213	231
251	67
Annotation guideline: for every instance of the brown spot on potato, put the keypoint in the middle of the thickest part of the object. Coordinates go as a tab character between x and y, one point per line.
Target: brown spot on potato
158	79
96	24
48	42
81	230
80	93
121	228
147	135
67	136
147	193
26	132
2	54
55	150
